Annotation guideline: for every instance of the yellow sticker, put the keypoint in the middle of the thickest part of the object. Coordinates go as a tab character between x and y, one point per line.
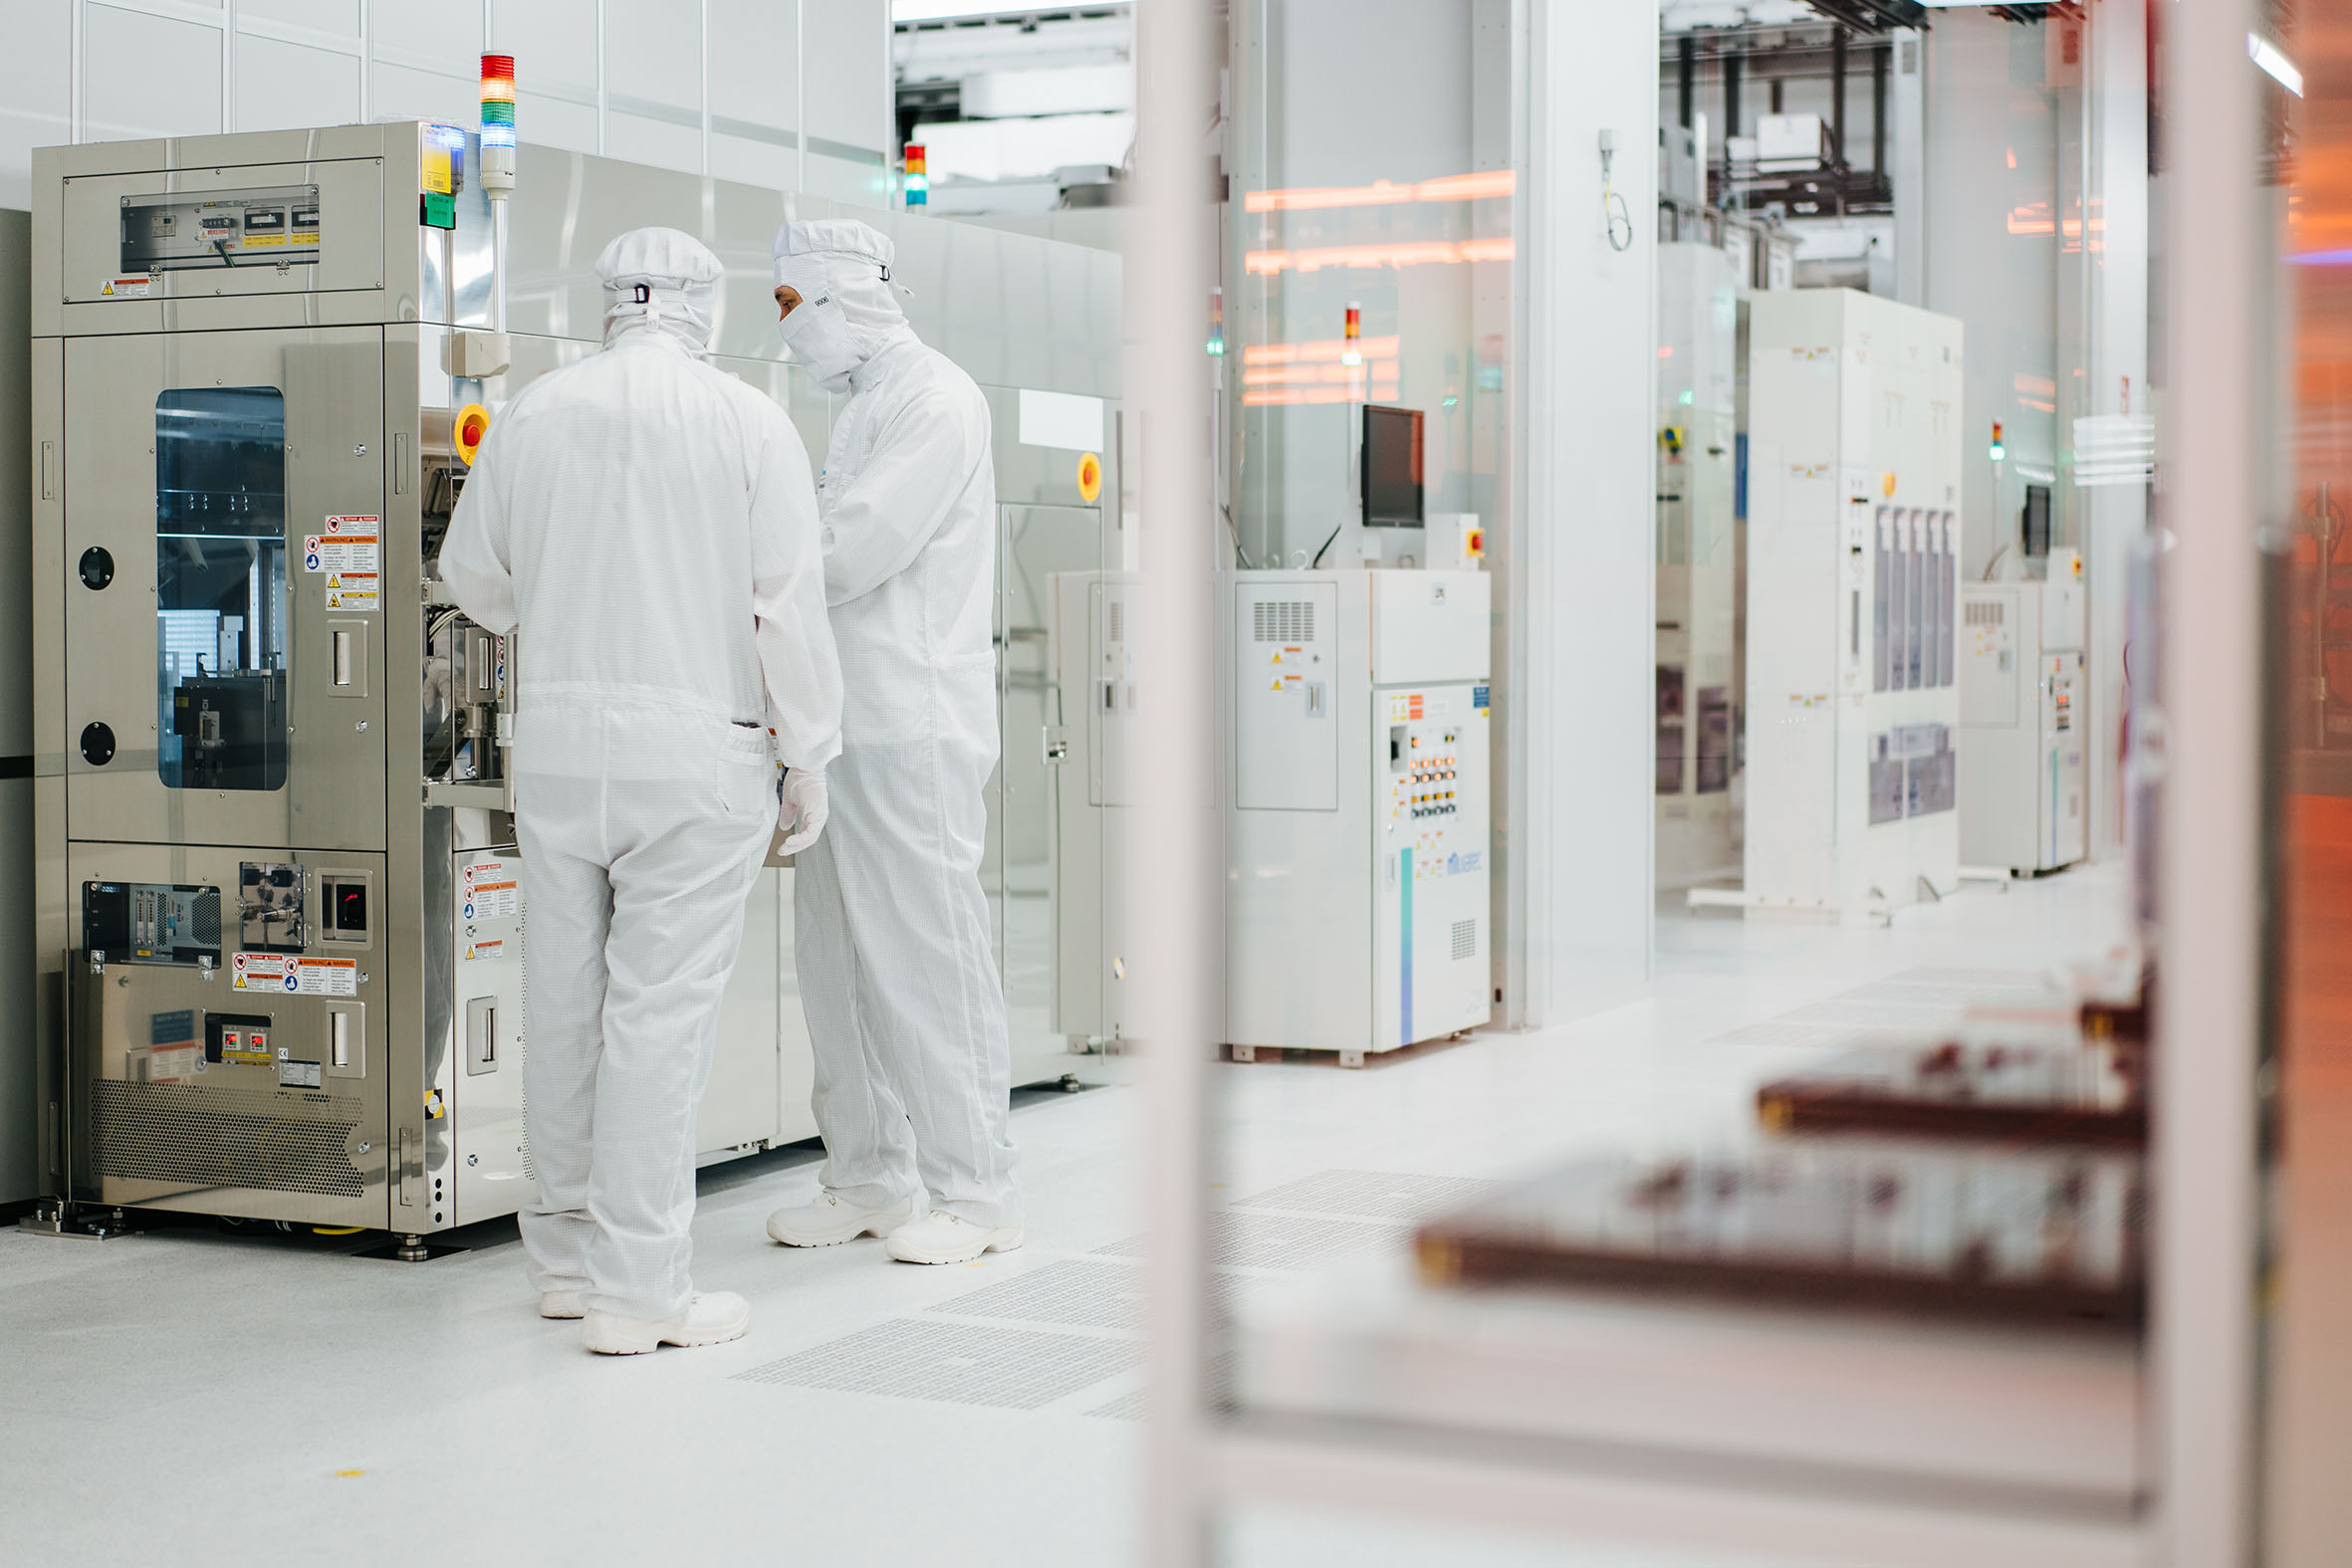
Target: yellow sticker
435	178
1089	476
1886	486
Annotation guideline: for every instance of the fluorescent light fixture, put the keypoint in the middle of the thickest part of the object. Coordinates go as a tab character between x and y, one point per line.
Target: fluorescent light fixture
2272	59
956	10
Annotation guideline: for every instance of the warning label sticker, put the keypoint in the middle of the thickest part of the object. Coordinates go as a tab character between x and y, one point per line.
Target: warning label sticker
481	951
303	976
491	892
348	552
125	288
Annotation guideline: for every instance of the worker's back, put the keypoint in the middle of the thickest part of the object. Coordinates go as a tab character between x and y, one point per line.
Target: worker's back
626	483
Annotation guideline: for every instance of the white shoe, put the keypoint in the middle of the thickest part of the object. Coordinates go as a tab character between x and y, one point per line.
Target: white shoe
711	1319
828	1222
942	1238
561	1303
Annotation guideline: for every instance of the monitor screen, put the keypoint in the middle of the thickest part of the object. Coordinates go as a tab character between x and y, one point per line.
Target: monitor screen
1392	467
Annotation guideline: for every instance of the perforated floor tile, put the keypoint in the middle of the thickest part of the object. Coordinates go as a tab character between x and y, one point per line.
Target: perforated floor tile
1135	1403
1372	1194
1072	1291
1247	1240
1916	998
919	1357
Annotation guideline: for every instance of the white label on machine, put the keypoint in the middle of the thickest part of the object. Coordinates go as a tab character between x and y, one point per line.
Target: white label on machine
125	288
490	891
481	951
348	552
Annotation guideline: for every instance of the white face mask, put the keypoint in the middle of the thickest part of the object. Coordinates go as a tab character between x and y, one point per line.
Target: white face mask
818	333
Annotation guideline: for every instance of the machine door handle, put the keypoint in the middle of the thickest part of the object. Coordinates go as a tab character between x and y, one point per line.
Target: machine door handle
481	1034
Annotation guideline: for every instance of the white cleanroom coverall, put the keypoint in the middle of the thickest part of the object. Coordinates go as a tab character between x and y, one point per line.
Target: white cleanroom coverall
649	525
898	977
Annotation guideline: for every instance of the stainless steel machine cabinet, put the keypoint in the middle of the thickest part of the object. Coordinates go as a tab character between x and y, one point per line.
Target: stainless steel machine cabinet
1853	501
2023	728
1357	834
281	924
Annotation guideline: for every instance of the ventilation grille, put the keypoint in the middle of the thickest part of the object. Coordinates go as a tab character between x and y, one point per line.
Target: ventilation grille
207	931
202	1136
1465	938
1118	621
1290	622
1985	612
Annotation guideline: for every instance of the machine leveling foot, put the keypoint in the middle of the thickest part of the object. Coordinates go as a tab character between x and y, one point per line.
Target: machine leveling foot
63	1217
412	1249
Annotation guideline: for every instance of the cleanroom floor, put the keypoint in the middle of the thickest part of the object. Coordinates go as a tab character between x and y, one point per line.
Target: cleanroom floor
196	1397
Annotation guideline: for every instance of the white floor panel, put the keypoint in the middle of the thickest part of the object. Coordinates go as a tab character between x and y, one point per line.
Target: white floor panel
207	1398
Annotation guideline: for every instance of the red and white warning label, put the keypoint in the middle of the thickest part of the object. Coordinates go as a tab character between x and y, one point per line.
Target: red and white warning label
347	551
289	974
491	892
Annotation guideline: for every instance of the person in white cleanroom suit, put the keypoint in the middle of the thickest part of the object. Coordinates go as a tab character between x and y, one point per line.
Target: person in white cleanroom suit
890	927
648	524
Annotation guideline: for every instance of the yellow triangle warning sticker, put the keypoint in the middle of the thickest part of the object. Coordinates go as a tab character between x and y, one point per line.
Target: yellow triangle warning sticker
109	288
334	582
1276	659
1278	684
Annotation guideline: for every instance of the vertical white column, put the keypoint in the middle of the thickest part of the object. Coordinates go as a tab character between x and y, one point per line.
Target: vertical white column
228	66
2211	849
1906	151
602	105
2115	375
1580	574
1170	841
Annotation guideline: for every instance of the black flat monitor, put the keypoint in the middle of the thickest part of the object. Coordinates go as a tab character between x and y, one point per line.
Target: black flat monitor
1392	467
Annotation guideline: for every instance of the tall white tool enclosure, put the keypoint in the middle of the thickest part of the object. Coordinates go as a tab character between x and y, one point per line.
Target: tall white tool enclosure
2023	806
1853	535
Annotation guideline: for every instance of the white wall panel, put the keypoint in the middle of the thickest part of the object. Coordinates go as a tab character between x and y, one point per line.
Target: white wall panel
554	121
280	86
148	73
399	93
36	92
658	142
554	42
755	64
149	76
655	49
847	73
324	16
436	35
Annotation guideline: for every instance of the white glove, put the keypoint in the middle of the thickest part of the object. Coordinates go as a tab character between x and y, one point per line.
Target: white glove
803	812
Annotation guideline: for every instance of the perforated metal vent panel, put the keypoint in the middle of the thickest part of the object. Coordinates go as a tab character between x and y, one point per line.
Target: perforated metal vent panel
1118	621
168	1132
1465	938
1985	612
1287	621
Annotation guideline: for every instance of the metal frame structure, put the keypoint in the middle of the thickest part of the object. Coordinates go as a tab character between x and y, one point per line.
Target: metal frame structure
2201	1508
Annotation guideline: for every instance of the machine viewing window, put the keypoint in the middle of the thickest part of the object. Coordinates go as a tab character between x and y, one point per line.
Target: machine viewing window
220	587
1392	467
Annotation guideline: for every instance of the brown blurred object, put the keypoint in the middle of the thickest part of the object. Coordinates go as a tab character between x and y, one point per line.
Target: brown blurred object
2012	1095
2030	1236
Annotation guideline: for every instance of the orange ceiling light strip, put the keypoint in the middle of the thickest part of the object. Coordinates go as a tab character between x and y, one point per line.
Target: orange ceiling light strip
1314	374
1292	396
1321	351
1479	186
1412	253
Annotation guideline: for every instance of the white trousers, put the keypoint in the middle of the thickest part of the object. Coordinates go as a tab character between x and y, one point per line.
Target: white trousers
898	981
641	834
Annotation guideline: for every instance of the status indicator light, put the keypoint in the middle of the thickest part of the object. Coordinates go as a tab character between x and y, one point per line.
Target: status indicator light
498	125
1216	322
1351	356
917	183
1998	451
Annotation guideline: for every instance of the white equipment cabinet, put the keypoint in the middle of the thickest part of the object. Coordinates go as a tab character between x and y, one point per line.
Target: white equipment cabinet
2021	692
1697	328
1094	700
1357	911
1854	532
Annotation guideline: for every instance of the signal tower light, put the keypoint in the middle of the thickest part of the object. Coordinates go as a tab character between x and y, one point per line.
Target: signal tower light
917	184
1998	451
498	125
1351	356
